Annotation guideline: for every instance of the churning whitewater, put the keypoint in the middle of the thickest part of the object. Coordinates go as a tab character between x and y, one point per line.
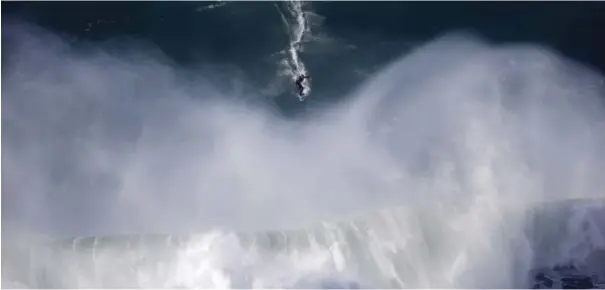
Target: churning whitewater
460	164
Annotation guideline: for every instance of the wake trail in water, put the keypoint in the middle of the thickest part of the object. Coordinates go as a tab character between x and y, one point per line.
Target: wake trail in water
297	26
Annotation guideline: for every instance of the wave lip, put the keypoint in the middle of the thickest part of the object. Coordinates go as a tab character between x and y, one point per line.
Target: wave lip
348	254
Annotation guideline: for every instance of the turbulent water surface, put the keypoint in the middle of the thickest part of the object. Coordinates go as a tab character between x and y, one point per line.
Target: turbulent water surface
140	153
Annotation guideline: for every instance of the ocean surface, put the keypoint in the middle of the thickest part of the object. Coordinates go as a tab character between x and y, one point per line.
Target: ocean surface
436	145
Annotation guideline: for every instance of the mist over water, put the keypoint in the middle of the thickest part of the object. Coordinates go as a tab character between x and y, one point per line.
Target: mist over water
427	175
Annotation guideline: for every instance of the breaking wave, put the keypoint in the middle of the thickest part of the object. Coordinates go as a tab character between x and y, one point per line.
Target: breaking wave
461	164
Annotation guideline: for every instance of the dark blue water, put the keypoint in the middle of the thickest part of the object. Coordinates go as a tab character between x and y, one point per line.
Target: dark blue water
362	36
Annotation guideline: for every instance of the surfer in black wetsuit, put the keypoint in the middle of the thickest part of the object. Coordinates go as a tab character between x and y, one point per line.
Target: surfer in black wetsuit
299	84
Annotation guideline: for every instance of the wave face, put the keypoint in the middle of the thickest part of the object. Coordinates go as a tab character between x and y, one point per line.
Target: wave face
461	164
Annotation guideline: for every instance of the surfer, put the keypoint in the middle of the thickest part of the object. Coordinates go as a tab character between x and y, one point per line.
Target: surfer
299	84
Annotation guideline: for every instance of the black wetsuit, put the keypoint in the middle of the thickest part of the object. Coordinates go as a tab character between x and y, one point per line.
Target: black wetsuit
299	84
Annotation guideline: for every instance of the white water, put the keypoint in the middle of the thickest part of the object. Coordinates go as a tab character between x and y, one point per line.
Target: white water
427	174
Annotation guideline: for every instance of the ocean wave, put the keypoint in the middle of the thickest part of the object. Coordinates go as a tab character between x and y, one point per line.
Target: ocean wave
439	159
